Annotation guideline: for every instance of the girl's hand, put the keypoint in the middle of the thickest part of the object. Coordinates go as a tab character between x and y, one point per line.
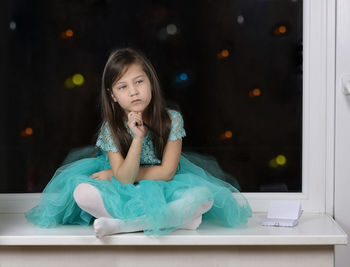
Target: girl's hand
102	175
135	124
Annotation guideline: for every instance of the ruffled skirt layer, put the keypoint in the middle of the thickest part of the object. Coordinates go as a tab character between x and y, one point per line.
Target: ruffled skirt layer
147	199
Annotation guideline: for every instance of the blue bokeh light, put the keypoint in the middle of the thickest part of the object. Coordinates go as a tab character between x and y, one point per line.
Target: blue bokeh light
183	77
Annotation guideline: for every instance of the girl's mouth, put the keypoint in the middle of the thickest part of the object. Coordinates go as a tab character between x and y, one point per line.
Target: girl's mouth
135	101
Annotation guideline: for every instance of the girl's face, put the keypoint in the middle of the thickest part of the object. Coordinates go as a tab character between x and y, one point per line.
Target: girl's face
133	90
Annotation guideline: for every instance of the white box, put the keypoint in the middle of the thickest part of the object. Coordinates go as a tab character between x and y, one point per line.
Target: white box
283	213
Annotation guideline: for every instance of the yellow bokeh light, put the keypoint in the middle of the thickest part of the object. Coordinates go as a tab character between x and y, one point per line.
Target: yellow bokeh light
78	79
281	160
68	83
228	134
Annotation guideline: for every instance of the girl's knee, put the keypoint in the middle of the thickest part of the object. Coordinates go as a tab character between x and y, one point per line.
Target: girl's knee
198	193
84	194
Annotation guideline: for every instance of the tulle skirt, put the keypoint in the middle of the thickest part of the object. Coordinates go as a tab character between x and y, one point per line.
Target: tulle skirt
147	199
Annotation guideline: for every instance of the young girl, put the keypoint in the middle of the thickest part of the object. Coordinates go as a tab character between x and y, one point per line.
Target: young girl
139	180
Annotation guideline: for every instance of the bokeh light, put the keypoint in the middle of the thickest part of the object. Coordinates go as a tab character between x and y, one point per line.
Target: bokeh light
228	134
223	54
240	19
78	79
280	30
183	76
27	132
13	25
171	29
254	93
281	160
67	34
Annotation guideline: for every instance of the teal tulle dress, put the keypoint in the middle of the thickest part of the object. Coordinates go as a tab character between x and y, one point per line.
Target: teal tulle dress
147	199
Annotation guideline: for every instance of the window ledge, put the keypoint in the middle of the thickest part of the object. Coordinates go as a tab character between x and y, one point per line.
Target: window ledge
313	229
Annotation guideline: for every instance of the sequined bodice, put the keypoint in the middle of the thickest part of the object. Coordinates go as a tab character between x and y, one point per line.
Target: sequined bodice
148	156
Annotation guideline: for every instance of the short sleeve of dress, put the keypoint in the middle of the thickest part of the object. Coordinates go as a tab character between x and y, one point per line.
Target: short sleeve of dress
177	126
105	140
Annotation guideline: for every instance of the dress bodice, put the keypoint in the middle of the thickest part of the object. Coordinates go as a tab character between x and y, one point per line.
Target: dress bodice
148	156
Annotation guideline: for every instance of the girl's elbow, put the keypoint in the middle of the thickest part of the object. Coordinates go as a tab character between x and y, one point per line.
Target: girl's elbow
171	175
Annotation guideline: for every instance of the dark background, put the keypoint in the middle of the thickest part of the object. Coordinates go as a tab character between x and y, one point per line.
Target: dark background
214	93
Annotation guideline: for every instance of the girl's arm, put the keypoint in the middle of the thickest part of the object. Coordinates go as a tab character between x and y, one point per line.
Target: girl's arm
126	170
167	170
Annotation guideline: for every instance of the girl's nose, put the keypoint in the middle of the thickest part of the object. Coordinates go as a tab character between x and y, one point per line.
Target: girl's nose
132	90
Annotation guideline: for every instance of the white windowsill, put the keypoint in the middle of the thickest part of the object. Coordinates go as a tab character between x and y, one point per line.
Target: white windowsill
313	229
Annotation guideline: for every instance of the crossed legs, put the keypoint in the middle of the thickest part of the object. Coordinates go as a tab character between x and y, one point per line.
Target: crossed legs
90	200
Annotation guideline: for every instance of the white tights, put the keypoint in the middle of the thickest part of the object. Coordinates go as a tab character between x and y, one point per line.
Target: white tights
90	200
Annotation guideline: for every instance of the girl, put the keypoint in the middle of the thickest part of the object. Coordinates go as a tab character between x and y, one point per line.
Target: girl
139	180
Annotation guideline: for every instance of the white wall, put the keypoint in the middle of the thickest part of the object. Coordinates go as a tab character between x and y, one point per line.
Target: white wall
342	132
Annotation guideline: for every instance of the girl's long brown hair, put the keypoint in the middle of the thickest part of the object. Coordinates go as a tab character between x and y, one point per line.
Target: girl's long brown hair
155	113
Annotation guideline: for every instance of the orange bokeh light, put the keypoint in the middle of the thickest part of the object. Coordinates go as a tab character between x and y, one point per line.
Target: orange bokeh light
282	29
256	92
228	134
224	53
28	131
69	33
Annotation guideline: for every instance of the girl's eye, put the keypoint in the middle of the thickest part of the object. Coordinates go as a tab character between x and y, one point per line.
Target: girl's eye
122	87
139	81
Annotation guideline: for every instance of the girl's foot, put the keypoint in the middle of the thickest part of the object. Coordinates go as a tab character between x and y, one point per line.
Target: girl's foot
106	226
193	224
109	226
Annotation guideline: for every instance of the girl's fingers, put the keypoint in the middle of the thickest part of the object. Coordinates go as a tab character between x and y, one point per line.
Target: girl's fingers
135	115
95	175
135	118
